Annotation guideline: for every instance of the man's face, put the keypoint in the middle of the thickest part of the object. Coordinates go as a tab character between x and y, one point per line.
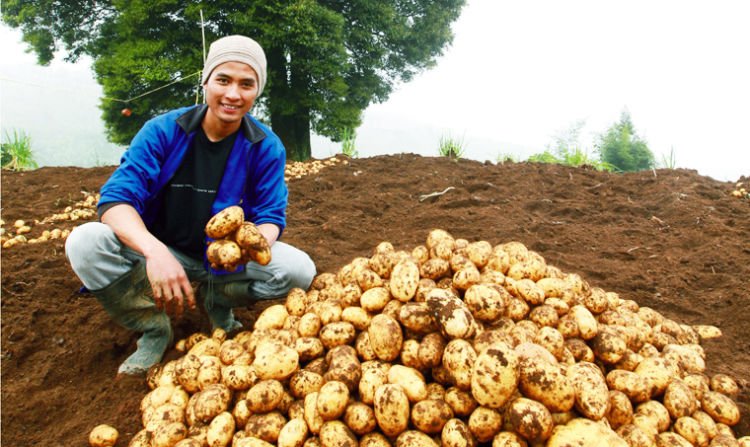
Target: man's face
231	91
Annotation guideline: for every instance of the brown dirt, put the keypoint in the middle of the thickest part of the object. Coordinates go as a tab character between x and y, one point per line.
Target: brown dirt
674	240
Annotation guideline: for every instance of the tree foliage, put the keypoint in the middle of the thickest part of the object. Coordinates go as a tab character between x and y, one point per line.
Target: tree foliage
328	59
622	148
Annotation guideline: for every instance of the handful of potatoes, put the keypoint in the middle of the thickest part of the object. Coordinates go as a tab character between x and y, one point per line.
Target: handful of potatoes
236	242
453	343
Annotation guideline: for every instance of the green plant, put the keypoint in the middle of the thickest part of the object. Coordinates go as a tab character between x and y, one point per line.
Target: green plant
16	153
670	161
349	136
503	158
622	148
451	147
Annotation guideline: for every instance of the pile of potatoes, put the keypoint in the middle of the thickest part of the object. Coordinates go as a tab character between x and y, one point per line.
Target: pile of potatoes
21	230
235	241
453	343
740	191
299	169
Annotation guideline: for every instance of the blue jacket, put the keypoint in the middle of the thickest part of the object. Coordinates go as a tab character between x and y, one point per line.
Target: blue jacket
253	179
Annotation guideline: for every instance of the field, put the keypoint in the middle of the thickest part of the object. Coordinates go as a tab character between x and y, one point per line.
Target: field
671	240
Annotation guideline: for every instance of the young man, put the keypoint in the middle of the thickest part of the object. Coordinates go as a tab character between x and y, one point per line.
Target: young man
182	168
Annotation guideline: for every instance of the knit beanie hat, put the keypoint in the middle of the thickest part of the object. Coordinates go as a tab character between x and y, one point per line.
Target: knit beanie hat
236	49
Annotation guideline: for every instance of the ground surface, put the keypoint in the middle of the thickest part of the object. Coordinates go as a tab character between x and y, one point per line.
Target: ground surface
672	240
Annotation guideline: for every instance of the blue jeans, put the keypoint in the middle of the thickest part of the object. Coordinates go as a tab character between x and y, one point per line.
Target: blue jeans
99	258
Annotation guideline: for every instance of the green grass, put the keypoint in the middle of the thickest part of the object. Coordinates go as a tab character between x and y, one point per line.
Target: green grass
16	153
670	161
451	147
576	157
503	158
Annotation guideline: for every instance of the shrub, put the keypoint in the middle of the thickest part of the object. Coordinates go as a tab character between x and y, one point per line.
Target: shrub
347	143
451	147
16	153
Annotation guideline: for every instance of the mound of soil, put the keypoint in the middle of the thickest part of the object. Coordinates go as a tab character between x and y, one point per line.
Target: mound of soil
671	239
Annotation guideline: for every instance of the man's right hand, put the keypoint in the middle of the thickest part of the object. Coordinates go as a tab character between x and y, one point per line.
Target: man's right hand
169	283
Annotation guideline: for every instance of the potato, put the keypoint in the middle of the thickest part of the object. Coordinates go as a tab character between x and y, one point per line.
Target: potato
344	366
272	317
304	382
434	269
372	379
238	377
273	360
167	435
430	415
189	442
724	440
141	439
211	402
692	431
552	340
679	399
220	430
251	441
225	222
293	433
486	302
655	411
530	419
620	411
404	280
224	254
266	426
431	350
309	325
453	317
633	385
508	439
254	245
608	346
374	299
360	418
332	400
458	359
582	432
720	407
592	394
547	383
706	332
337	333
587	325
414	438
461	402
485	423
336	434
495	375
659	372
265	396
457	434
417	318
410	380
722	383
385	337
312	418
670	439
358	317
466	277
103	436
367	279
391	407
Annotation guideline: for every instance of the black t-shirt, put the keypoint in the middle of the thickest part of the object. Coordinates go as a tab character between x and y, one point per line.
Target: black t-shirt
188	196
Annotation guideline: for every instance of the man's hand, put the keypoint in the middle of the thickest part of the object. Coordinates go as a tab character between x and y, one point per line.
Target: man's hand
169	283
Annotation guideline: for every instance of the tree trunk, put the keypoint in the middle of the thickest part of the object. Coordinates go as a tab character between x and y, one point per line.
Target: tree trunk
290	116
294	131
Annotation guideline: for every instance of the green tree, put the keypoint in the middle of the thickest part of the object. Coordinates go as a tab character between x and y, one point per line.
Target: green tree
328	59
622	148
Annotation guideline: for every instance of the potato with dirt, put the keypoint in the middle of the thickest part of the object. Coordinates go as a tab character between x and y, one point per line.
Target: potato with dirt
103	436
253	244
225	222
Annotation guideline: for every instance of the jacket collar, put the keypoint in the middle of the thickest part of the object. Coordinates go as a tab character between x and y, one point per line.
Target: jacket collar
191	120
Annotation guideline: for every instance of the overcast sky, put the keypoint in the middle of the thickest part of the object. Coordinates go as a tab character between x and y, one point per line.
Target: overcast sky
517	74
